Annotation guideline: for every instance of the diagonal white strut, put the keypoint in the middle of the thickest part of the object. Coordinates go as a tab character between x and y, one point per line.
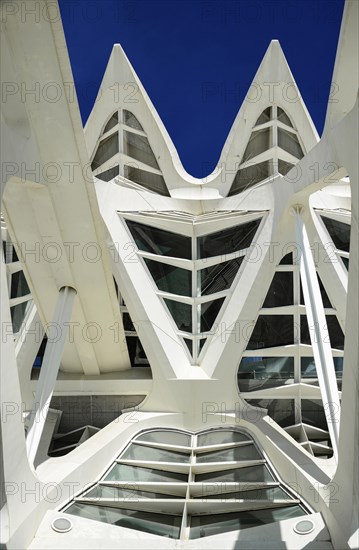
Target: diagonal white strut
49	369
318	332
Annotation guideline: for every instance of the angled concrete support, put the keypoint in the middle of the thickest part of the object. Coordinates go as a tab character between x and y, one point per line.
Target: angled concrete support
318	332
49	370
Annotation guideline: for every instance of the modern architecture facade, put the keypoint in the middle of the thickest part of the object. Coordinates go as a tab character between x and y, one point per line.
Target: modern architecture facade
179	356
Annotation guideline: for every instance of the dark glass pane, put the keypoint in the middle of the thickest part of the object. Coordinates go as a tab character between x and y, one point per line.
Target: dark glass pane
219	277
280	292
150	454
284	167
128	493
169	278
136	352
227	241
127	322
40	354
189	345
336	335
289	142
209	312
152	182
325	298
307	367
208	525
108	175
287	259
283	117
313	413
111	123
250	473
18	313
181	313
201	344
281	410
123	472
220	437
247	452
106	149
130	120
264	117
304	331
255	494
271	331
19	286
258	143
339	232
168	437
138	147
257	373
345	262
158	241
249	176
148	522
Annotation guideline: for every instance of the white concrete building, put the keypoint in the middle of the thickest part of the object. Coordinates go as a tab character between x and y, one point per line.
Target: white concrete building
179	357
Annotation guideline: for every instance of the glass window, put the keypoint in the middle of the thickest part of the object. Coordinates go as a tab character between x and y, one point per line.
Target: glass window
325	298
228	240
280	292
189	345
264	117
108	175
167	437
281	410
283	117
181	313
148	522
284	167
339	232
209	313
138	147
219	277
124	472
158	241
152	182
257	373
271	331
106	149
151	454
130	120
111	123
19	286
18	313
247	452
170	278
251	175
254	494
287	259
313	413
128	493
208	525
289	142
249	473
258	143
336	335
220	437
127	322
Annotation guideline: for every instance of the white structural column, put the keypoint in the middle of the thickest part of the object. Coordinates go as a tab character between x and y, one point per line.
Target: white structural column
318	332
49	370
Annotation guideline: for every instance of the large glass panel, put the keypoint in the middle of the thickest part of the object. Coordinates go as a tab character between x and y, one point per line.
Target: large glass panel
130	492
219	277
18	313
264	117
111	123
228	240
209	312
281	410
280	292
181	313
339	232
308	368
136	352
257	373
166	437
123	472
108	175
158	241
249	473
106	149
148	522
284	167
169	278
255	494
283	117
208	525
220	437
152	182
313	413
289	142
138	147
19	286
325	297
258	143
150	454
249	176
130	120
245	452
287	259
336	335
271	331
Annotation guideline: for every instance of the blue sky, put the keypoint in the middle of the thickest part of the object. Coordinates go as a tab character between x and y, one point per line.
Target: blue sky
197	59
